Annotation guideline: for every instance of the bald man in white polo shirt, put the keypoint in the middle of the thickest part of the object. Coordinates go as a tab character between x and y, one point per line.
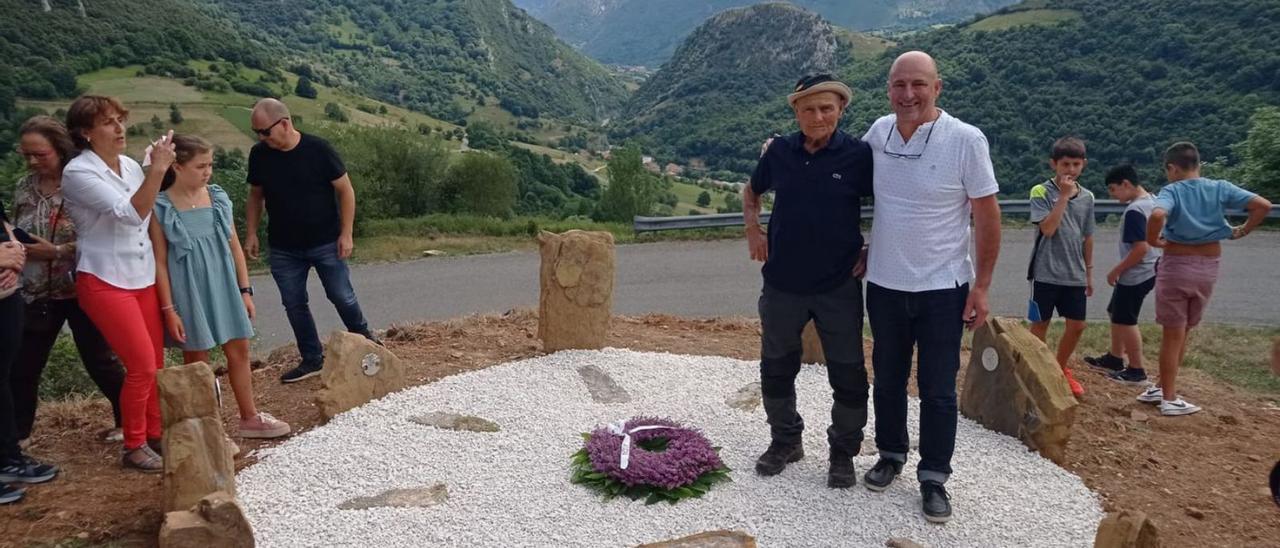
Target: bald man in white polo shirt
932	172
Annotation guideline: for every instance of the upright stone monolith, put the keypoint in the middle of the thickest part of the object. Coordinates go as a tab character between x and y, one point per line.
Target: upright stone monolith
1126	529
1014	386
198	460
217	521
576	282
356	371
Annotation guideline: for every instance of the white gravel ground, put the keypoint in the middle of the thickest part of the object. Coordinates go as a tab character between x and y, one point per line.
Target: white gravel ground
511	488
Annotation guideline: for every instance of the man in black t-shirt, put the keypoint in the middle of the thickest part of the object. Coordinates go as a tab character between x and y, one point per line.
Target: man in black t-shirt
813	258
312	207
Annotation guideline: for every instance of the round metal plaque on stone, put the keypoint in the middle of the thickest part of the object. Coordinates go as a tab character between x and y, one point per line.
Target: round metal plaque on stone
990	359
370	364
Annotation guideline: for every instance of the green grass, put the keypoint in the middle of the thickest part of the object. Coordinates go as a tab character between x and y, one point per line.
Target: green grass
239	117
688	194
1025	17
1237	355
865	46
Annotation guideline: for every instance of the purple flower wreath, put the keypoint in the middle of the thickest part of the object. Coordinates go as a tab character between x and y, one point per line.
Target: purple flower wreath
662	460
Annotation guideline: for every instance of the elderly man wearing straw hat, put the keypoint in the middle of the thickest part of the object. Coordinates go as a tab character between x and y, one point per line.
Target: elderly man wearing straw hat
812	254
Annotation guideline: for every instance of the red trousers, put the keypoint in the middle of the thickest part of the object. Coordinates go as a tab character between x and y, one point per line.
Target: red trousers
130	321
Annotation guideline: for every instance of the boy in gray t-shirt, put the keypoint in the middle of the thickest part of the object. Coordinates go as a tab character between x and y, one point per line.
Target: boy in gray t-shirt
1062	260
1133	278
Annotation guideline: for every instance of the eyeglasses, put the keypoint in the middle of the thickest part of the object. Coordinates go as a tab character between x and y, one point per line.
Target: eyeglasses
31	155
267	131
916	156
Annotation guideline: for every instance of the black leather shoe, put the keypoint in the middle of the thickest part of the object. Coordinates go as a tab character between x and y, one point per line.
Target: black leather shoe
776	457
842	474
881	476
935	502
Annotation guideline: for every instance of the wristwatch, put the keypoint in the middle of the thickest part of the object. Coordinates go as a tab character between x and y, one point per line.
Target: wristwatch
247	290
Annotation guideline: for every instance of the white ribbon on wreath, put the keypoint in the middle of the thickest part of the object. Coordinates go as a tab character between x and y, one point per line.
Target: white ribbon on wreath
619	429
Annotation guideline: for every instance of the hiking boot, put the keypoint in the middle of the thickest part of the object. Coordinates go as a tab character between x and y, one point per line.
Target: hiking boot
10	494
776	457
881	476
1153	394
24	469
935	502
1178	407
1106	362
156	445
841	474
263	426
1077	389
142	459
1130	376
304	370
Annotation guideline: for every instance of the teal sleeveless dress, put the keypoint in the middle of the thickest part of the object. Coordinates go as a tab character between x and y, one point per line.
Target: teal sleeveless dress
202	273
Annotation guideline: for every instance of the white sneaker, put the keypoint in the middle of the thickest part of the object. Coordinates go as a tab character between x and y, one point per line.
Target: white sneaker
1153	394
1177	407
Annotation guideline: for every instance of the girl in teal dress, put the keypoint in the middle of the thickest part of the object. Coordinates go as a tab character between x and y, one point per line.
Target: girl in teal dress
201	276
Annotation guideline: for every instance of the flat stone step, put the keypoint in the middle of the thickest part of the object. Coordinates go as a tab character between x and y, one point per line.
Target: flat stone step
454	421
602	387
400	498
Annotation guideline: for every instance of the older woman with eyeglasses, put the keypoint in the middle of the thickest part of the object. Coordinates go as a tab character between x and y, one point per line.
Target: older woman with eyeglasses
48	285
111	199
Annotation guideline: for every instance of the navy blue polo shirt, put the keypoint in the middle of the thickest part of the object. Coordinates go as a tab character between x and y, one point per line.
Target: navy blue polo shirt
814	231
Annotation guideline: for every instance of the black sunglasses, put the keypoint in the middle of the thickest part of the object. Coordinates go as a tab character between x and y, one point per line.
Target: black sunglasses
917	156
266	132
813	80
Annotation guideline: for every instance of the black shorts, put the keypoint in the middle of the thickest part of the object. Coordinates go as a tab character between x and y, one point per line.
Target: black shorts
1068	300
1126	302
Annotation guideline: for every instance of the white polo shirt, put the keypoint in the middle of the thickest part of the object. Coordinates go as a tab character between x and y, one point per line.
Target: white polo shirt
920	232
111	239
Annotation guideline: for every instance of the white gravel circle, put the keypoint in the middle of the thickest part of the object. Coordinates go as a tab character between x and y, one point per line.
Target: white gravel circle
511	488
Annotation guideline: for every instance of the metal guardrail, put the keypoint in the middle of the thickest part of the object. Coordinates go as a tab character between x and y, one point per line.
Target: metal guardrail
1101	208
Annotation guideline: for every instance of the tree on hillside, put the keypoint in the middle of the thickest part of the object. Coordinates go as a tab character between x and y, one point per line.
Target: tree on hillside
305	89
335	112
1262	153
484	136
175	115
482	184
704	199
632	191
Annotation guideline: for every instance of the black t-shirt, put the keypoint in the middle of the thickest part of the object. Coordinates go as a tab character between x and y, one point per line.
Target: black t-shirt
298	186
814	231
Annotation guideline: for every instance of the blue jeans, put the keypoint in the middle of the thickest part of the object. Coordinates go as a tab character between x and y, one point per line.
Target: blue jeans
290	268
900	323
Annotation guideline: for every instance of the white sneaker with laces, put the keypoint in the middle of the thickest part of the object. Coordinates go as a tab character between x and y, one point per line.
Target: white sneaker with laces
1153	394
1177	407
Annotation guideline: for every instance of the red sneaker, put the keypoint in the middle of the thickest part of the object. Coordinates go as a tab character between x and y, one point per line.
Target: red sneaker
1076	389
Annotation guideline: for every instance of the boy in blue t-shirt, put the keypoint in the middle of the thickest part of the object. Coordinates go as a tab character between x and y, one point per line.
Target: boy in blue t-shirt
1133	278
1189	223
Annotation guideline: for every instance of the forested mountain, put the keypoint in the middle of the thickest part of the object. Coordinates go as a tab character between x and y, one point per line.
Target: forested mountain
1128	77
647	32
440	56
722	85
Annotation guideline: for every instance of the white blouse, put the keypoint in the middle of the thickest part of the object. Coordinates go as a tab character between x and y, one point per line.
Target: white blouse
111	239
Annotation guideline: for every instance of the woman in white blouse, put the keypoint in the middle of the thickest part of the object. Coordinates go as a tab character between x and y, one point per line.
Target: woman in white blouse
110	199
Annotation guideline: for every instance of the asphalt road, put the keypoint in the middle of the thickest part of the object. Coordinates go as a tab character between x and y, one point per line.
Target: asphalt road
704	279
